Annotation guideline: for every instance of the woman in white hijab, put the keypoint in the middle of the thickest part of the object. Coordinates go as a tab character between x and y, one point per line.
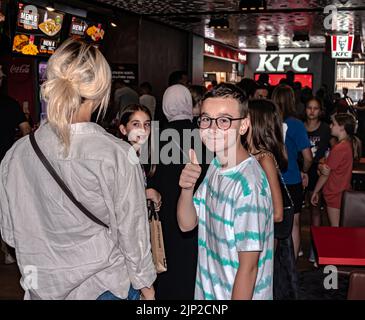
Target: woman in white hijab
181	249
177	103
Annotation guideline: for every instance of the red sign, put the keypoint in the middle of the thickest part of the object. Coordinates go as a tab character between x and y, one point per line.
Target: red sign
274	79
212	49
20	75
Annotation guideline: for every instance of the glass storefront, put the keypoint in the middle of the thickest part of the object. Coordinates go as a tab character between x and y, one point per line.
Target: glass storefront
351	75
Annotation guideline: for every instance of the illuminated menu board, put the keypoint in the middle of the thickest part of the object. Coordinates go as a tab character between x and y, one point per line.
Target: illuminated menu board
37	30
92	32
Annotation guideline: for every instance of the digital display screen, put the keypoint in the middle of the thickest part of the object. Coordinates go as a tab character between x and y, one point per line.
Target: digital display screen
37	30
91	32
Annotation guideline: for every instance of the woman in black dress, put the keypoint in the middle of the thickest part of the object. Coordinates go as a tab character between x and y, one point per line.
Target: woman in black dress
181	247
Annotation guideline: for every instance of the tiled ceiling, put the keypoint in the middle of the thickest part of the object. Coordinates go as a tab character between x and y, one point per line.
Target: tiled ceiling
253	30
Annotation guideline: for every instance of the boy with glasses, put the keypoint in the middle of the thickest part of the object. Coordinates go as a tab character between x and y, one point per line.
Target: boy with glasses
232	206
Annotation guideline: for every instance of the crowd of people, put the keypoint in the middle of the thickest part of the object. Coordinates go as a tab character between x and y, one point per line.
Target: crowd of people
231	226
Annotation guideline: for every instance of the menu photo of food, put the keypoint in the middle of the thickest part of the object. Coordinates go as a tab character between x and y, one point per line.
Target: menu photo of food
96	33
25	44
52	24
37	20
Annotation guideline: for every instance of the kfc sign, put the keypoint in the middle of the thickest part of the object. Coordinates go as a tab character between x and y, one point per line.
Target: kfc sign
341	47
279	62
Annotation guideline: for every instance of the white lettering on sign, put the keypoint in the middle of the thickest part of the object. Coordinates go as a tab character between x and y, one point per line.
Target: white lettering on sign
78	27
29	17
209	48
24	68
266	63
241	56
48	43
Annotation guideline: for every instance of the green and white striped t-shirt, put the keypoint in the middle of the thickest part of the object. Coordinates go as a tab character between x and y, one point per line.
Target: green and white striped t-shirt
235	212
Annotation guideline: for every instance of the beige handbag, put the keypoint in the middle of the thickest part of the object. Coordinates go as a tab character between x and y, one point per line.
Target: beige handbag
157	245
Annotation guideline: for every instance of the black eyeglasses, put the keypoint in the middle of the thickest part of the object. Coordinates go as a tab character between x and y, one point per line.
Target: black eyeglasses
223	123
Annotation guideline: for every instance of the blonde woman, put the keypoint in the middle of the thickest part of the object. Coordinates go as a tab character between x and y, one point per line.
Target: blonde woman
61	253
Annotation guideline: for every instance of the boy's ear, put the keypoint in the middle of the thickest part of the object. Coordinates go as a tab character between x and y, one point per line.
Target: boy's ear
123	130
245	124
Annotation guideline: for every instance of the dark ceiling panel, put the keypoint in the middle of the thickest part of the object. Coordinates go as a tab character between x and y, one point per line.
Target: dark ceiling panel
253	30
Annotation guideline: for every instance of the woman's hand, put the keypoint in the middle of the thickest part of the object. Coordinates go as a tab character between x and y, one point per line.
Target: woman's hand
315	199
148	293
155	197
324	169
305	179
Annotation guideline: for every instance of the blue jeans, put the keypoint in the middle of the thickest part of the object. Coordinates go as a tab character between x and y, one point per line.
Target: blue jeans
133	294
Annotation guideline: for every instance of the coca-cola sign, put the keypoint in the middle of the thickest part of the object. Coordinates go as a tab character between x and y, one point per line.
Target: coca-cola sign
20	69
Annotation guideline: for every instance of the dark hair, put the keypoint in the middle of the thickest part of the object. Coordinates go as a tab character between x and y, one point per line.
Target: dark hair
348	121
260	86
306	94
197	93
126	117
290	76
263	78
227	90
147	86
176	76
297	85
284	98
267	130
318	100
248	86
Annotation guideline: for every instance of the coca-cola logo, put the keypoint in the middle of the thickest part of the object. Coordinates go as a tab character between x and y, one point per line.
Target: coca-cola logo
23	69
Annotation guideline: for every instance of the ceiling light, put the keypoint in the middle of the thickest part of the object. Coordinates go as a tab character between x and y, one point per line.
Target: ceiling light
218	23
50	6
114	25
252	5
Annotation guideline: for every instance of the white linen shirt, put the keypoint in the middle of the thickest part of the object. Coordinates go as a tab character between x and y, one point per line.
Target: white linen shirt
61	253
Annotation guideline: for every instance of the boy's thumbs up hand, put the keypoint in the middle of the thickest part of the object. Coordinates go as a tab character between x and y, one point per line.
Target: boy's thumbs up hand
190	173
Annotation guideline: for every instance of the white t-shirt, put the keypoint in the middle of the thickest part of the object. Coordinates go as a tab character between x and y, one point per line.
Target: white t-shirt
235	212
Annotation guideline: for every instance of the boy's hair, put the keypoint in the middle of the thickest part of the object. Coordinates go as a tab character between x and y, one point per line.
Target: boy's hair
267	130
348	121
284	98
227	90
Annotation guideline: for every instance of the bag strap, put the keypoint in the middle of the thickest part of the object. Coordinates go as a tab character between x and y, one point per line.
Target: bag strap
60	182
286	188
269	154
